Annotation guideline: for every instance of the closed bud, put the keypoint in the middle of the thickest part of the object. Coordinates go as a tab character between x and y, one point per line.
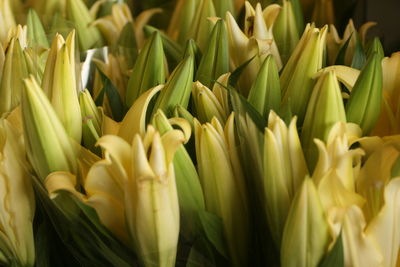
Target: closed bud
325	108
7	19
207	104
91	120
149	69
190	194
151	198
284	170
223	186
297	76
215	59
305	237
14	71
88	35
265	93
364	104
36	34
48	145
286	32
178	87
59	83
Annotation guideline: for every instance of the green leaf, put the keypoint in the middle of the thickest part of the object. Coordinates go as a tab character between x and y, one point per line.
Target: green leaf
114	98
340	58
76	223
214	231
127	46
241	107
359	59
395	171
235	75
200	254
335	257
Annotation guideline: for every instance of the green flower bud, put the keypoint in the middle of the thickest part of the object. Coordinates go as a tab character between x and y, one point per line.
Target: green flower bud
88	35
215	59
223	186
363	106
14	71
47	143
178	87
59	83
36	33
305	237
325	108
265	93
148	71
284	170
286	32
91	121
297	76
207	104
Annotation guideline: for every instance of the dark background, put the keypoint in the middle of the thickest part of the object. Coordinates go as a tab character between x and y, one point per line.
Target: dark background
387	14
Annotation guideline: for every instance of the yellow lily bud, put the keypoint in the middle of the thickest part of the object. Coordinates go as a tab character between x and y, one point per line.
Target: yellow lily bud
17	207
49	148
7	19
284	170
337	155
190	21
151	198
88	35
190	194
59	83
47	8
305	236
324	109
206	103
255	43
14	71
223	186
297	76
112	25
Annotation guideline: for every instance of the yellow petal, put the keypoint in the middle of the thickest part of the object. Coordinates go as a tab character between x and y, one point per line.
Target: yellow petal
385	227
